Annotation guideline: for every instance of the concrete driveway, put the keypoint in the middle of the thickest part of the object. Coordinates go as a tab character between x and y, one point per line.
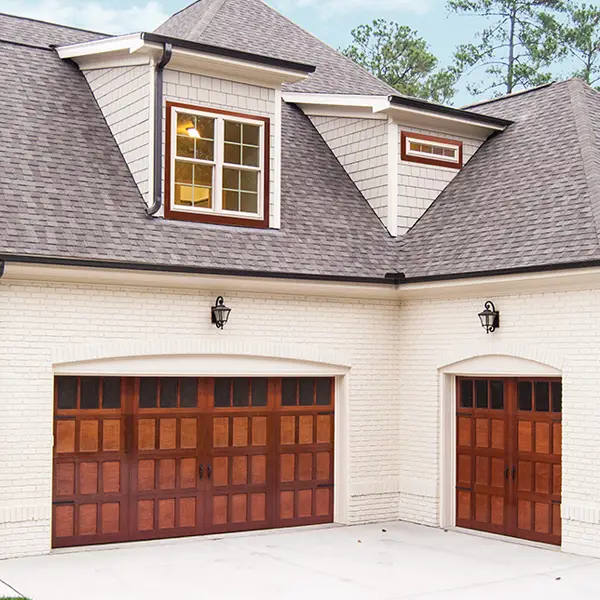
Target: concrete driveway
404	561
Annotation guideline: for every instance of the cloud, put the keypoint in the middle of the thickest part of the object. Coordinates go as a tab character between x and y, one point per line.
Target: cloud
90	15
327	9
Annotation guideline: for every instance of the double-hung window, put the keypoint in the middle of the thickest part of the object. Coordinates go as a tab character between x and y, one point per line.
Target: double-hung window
217	166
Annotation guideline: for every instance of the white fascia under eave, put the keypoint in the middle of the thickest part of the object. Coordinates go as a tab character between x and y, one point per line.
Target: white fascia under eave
134	49
381	107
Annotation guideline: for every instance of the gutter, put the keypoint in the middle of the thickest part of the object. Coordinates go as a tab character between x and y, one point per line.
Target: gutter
401	279
158	125
156	38
466	115
391	279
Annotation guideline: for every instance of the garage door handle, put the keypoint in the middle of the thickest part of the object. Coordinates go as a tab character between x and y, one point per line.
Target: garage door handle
201	471
208	471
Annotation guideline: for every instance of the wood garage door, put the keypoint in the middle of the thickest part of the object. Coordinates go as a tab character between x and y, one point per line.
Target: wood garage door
508	457
147	458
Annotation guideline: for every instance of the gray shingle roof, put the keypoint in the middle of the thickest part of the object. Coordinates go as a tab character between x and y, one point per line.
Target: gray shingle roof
529	197
39	33
253	26
65	190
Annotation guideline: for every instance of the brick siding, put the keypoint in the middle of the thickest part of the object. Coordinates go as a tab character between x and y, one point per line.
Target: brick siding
41	322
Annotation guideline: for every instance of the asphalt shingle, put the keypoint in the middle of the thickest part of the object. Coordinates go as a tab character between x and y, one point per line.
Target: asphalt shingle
253	26
39	33
530	197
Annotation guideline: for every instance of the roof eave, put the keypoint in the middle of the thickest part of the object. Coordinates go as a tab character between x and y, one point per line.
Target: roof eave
409	111
192	55
403	103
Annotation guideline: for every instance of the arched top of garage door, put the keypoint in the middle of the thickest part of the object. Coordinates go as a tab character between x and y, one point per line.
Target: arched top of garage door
197	357
502	359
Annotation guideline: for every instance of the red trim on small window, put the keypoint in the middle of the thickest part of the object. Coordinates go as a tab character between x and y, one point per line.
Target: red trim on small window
217	219
430	161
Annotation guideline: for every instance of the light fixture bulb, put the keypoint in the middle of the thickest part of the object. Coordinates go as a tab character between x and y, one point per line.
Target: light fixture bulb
193	132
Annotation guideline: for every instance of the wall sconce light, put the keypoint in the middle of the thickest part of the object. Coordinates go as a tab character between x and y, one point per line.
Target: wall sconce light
489	317
220	313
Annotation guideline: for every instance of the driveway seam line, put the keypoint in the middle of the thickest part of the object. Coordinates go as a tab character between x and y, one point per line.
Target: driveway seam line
12	588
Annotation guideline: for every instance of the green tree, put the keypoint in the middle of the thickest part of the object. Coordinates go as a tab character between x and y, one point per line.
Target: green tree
516	48
581	41
397	55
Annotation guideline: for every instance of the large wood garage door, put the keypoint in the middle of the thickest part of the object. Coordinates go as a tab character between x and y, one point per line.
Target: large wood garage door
146	458
508	457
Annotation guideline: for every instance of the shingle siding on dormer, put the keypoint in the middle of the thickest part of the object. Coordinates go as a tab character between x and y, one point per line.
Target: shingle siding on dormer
419	184
124	95
361	147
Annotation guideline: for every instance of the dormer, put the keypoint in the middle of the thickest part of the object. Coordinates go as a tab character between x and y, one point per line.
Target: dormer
212	152
400	152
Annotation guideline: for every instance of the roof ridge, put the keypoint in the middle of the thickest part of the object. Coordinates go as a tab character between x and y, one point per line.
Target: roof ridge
3	14
326	44
580	108
210	13
509	96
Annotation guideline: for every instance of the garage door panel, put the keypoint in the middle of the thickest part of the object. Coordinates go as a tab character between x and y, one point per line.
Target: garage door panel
239	482
90	464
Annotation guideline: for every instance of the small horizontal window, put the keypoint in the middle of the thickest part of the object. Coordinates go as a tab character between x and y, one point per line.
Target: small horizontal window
216	165
430	150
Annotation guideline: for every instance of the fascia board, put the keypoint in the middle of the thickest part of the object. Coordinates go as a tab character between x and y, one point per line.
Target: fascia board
402	113
333	100
114	44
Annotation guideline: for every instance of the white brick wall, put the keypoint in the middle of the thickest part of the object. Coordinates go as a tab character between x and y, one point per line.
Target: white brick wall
244	98
123	94
561	324
419	185
40	320
362	149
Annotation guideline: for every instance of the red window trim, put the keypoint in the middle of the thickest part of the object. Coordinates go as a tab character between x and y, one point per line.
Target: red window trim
430	161
171	213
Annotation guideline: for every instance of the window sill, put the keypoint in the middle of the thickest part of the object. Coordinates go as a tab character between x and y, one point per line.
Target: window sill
179	215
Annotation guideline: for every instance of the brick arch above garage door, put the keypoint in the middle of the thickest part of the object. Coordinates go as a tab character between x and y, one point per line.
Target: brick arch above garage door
527	355
298	358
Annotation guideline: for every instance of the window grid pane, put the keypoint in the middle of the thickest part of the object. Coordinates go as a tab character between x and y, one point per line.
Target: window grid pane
240	190
193	184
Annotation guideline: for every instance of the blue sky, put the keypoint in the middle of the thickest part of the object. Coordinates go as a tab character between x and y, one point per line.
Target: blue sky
330	20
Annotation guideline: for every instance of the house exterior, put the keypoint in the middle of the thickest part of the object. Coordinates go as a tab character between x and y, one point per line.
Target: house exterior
232	158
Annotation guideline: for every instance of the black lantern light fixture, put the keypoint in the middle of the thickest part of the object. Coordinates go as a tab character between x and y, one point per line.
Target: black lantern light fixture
489	317
220	313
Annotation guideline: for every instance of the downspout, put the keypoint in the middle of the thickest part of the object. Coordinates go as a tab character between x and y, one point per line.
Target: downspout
158	126
2	266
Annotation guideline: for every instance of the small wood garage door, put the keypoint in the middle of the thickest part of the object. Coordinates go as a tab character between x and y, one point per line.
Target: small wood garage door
508	457
146	458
